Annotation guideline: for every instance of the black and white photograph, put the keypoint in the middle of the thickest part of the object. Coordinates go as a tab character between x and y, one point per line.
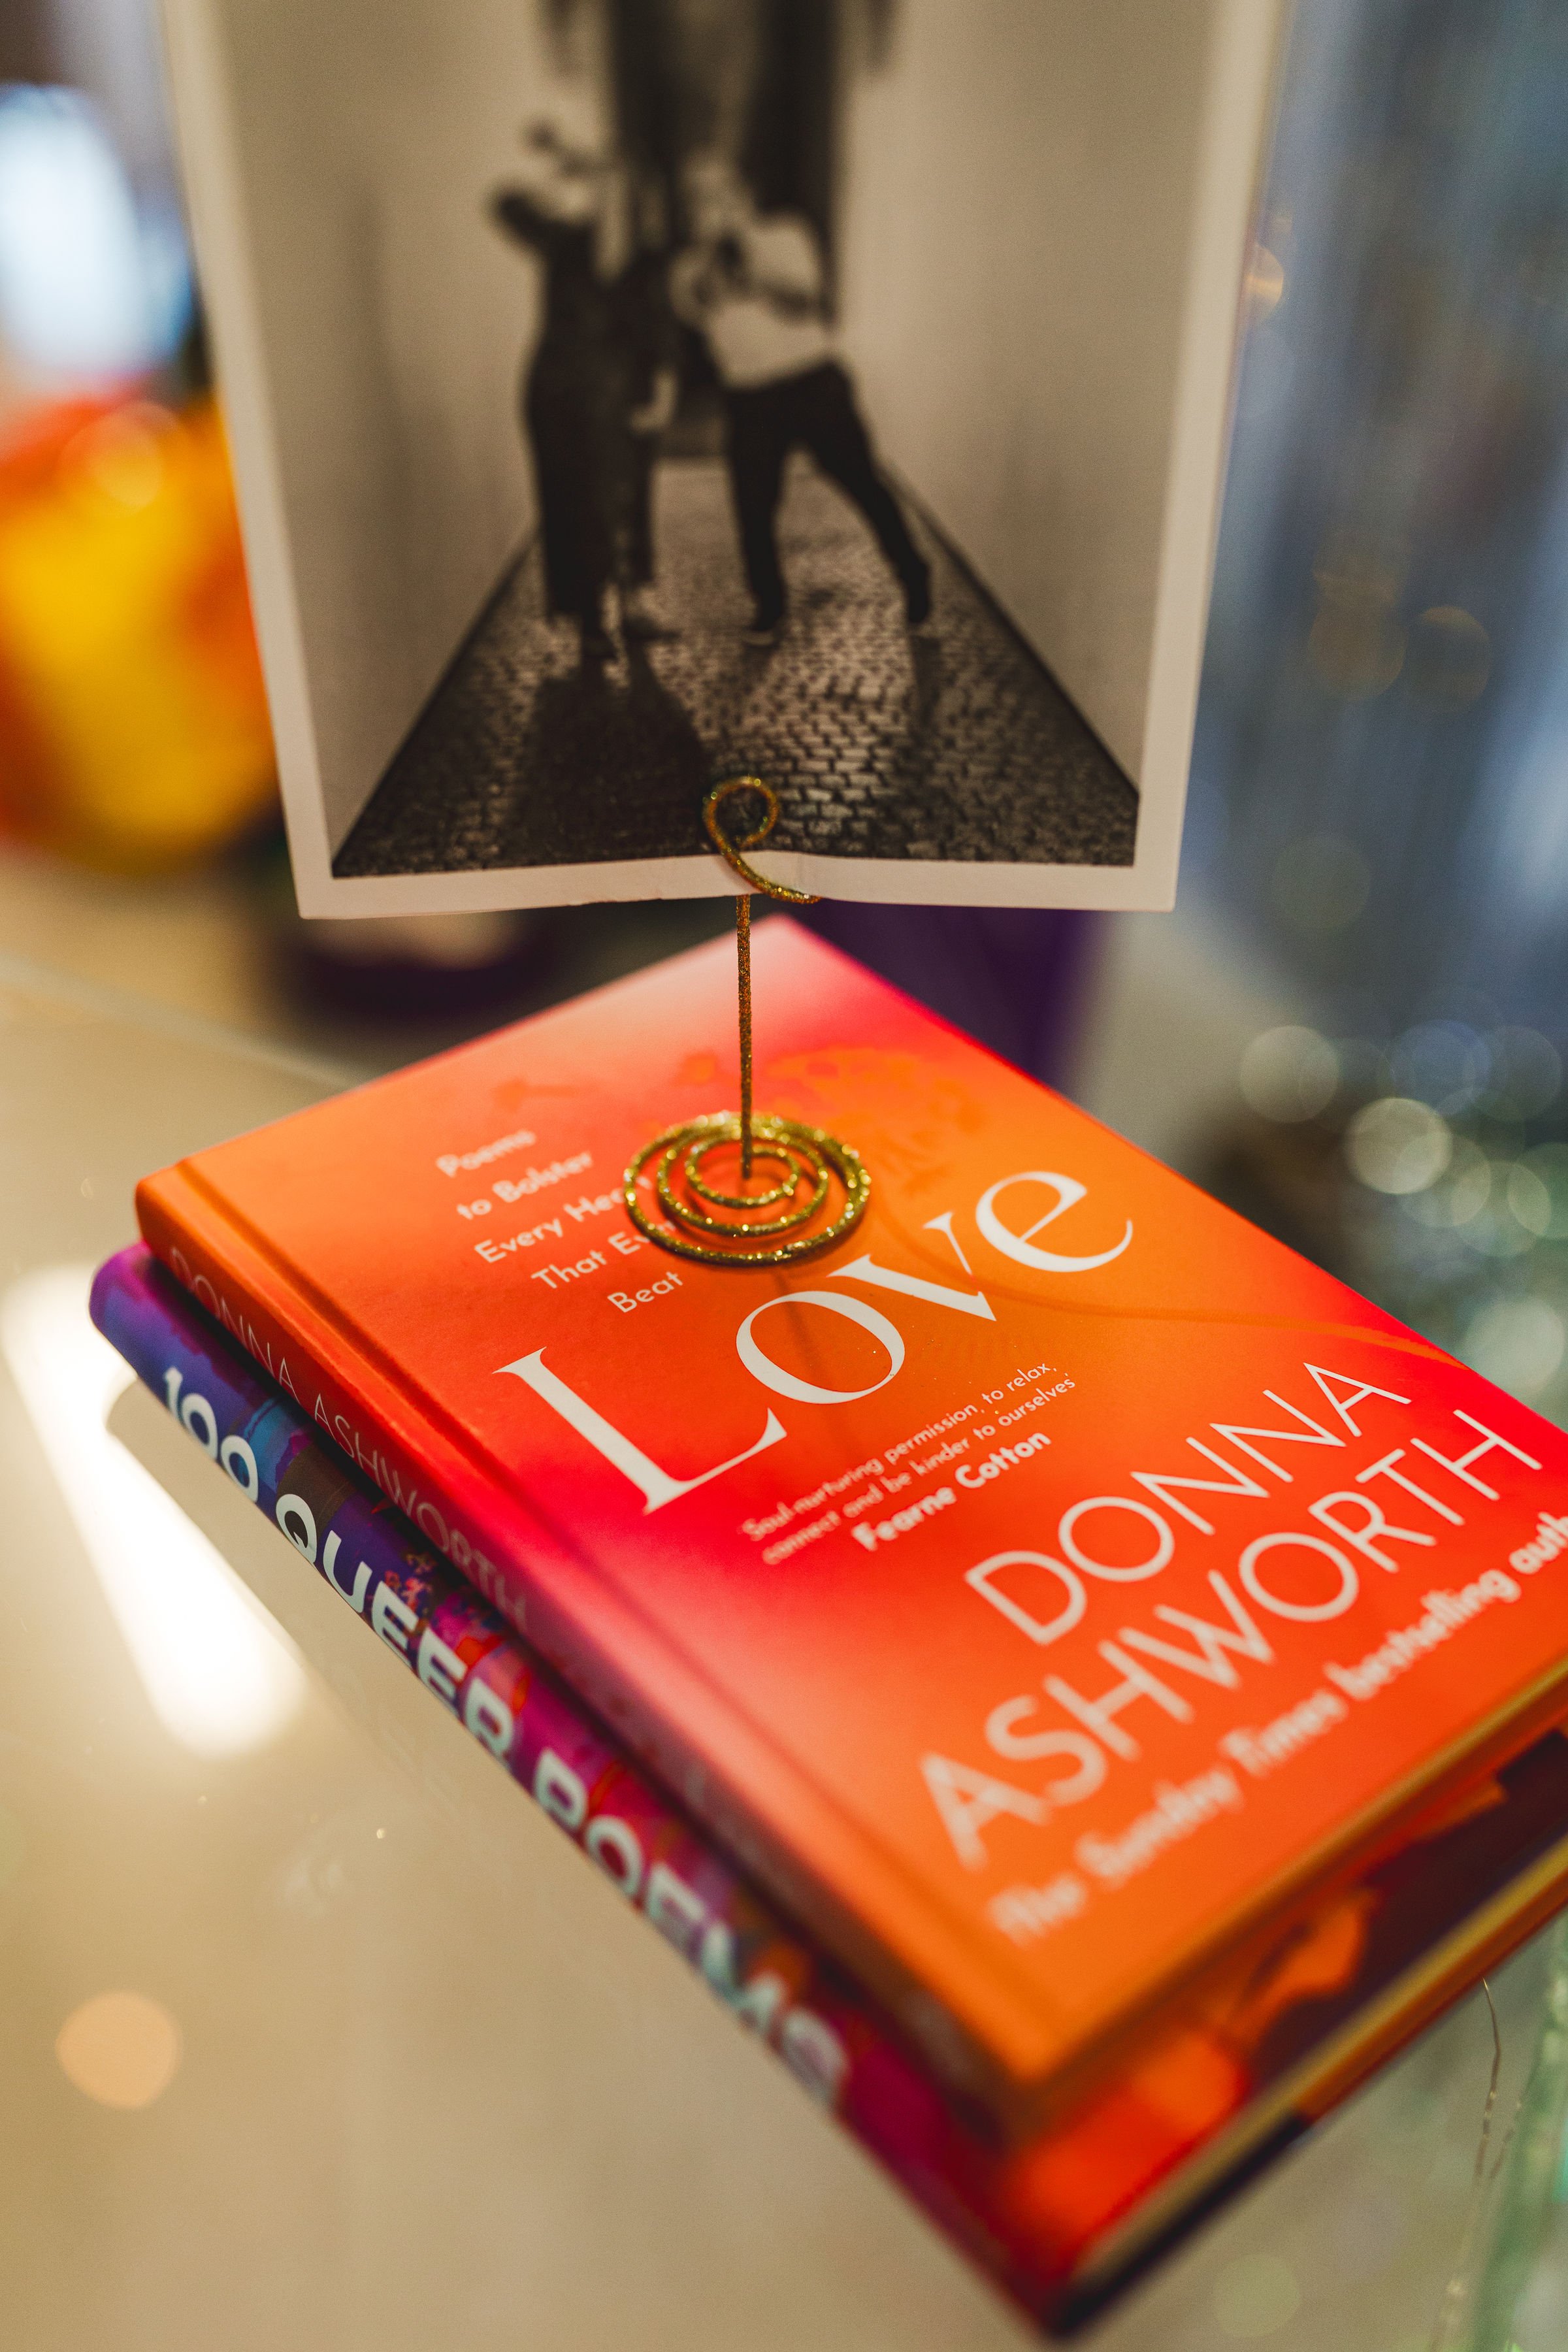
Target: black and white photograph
626	394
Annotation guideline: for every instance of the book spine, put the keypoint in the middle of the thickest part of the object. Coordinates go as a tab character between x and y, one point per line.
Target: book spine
828	2034
508	1557
296	1366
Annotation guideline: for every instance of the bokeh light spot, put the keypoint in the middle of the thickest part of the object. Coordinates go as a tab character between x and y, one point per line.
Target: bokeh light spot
118	457
1497	1231
1549	1164
1290	1074
1355	643
1441	1063
1517	1342
1448	659
1397	1145
1529	1199
1461	1193
1264	285
119	2048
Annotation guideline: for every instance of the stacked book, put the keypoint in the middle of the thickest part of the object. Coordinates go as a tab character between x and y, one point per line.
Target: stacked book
1078	1680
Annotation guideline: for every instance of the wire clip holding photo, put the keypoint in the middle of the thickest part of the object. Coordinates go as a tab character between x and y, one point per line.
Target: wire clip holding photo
675	1190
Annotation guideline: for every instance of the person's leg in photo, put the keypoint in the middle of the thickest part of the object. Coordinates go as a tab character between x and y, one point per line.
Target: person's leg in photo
756	444
642	615
829	424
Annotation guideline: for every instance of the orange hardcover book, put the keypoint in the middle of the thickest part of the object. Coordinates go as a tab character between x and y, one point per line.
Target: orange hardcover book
1050	1592
1062	2219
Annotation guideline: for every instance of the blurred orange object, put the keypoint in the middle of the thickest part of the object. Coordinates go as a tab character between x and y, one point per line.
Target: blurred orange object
133	729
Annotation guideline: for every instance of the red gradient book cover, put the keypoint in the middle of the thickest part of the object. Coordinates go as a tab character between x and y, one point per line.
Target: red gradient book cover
1041	1590
1280	2034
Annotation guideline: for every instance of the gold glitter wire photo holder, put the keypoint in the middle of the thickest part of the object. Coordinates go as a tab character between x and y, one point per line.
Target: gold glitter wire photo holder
807	1166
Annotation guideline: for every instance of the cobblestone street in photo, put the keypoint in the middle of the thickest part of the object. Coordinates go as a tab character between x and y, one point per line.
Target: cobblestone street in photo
953	744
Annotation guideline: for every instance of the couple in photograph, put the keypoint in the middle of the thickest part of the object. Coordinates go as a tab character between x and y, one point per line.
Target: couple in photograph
603	384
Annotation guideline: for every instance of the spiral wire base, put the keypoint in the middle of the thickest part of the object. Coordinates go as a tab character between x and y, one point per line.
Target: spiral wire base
811	1162
813	1171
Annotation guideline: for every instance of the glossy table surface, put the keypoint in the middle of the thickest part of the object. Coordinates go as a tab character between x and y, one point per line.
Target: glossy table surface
314	2033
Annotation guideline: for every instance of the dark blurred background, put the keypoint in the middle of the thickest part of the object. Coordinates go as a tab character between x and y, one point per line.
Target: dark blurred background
1353	1026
